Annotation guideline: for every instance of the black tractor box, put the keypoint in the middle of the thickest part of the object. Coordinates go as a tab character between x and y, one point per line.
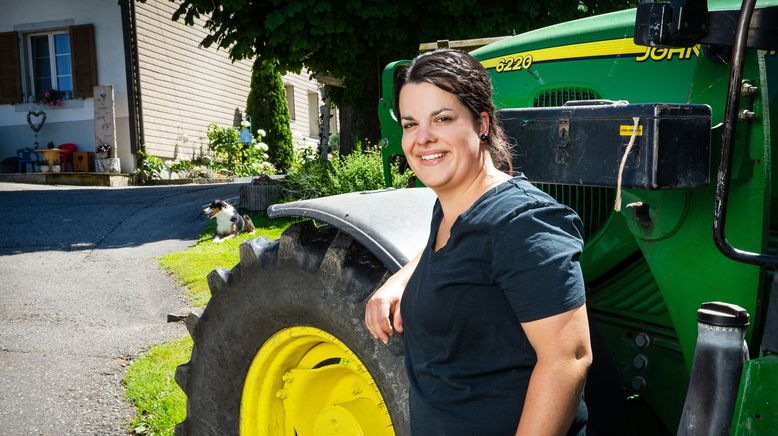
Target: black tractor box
583	143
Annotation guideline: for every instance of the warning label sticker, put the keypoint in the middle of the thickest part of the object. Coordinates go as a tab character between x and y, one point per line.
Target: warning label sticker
626	130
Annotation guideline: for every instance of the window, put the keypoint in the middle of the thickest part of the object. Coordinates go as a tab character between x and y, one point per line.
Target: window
313	115
49	63
36	57
290	100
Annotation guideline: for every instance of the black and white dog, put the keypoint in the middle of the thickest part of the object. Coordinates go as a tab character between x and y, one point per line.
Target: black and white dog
229	223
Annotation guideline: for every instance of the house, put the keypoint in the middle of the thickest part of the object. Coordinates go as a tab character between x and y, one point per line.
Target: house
166	88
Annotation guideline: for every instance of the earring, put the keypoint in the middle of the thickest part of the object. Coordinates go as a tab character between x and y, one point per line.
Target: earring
484	138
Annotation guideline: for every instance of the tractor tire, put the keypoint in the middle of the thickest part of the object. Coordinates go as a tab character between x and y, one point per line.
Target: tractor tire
282	349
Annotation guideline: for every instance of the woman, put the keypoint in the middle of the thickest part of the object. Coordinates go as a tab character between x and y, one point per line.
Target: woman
492	310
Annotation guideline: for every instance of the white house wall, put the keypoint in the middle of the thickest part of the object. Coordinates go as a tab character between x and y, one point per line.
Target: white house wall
74	122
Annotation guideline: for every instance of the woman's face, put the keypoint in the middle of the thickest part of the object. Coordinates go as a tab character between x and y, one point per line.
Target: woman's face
440	140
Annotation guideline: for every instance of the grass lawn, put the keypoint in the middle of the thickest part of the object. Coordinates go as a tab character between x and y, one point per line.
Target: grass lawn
191	266
150	387
149	379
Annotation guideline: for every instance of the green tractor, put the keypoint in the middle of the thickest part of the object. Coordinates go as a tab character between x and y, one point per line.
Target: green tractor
655	125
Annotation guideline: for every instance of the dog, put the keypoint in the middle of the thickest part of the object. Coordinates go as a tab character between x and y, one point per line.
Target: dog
229	223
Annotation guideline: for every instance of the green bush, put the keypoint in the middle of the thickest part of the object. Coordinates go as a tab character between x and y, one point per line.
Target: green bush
358	171
266	105
234	157
149	168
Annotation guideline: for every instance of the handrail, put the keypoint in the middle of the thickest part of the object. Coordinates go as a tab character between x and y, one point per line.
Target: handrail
727	138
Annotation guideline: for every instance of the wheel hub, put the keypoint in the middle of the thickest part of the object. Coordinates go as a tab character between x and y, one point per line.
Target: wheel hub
336	420
305	381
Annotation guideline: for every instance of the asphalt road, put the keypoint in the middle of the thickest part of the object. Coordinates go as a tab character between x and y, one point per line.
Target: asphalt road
81	294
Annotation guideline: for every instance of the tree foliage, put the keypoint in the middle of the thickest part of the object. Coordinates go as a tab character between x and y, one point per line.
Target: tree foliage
355	39
266	105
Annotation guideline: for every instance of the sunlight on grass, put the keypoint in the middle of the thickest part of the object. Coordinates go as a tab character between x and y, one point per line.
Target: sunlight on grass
191	266
150	386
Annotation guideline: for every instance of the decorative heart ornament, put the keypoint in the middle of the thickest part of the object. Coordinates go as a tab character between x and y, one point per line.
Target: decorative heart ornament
37	125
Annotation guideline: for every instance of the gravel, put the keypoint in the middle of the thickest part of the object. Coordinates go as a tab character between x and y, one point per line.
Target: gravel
81	294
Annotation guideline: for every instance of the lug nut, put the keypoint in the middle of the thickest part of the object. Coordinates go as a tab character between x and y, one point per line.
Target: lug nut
748	89
281	394
746	115
640	362
642	340
287	377
638	383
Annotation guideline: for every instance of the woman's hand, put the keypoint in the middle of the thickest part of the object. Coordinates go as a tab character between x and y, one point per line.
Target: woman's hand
385	302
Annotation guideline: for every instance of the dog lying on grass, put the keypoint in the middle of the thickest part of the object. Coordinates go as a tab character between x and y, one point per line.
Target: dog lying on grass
229	223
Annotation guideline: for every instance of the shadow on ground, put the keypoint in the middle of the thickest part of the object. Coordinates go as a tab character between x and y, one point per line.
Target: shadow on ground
103	218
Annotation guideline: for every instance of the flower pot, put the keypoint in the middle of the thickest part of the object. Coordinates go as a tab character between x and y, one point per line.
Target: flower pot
44	168
56	168
110	165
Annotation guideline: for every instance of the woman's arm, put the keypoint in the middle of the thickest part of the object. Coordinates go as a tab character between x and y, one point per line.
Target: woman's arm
386	301
564	352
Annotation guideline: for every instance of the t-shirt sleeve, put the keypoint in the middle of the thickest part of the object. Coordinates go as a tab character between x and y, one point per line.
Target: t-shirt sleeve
536	261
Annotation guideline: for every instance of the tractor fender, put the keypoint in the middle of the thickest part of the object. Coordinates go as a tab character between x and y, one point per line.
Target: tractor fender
393	224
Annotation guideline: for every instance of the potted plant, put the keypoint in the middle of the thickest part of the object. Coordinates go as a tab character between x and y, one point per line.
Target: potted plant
103	151
51	98
55	167
43	166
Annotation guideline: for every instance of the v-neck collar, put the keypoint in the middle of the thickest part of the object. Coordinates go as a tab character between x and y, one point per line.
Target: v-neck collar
437	216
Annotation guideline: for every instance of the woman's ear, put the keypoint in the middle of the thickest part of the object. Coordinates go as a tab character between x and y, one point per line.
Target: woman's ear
483	124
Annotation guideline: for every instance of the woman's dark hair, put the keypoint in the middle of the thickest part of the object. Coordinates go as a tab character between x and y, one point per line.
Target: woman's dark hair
459	73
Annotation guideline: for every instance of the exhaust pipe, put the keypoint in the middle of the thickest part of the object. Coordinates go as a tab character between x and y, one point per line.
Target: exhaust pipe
718	363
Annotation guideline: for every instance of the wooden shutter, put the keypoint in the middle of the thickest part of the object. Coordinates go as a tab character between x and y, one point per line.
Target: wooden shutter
10	72
83	60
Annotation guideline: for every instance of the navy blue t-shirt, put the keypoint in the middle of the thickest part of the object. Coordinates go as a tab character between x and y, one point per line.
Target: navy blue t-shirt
512	257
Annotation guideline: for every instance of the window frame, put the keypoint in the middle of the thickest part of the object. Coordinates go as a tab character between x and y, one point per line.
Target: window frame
314	124
29	74
290	101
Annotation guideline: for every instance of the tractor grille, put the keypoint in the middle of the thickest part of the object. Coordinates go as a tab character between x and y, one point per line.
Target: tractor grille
559	96
629	291
592	204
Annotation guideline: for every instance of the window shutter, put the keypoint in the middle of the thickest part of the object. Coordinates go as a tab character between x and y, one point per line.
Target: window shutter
83	60
10	73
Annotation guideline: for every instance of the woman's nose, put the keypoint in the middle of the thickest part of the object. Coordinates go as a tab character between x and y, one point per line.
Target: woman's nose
424	135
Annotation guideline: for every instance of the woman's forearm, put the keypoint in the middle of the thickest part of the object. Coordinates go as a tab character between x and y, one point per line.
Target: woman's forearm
553	395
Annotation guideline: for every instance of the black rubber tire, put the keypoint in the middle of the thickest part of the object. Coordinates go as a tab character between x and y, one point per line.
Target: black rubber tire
311	276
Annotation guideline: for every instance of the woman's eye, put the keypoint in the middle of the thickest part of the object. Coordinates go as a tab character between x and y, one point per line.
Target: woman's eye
442	119
407	126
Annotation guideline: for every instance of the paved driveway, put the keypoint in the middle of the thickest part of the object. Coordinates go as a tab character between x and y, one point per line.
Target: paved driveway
81	293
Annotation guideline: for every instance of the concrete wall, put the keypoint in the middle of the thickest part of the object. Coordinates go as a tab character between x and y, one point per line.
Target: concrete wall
74	122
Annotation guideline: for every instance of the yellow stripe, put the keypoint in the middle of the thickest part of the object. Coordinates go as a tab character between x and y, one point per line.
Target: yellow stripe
611	47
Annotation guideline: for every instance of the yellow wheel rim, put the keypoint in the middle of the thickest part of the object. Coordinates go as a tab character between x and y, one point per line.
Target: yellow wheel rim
305	381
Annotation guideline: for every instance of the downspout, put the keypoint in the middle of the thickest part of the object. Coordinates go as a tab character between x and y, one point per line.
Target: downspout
129	31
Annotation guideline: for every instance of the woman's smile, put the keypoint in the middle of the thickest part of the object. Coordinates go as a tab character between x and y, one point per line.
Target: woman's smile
432	158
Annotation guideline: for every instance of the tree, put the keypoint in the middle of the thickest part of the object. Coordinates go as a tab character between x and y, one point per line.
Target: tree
266	105
355	39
